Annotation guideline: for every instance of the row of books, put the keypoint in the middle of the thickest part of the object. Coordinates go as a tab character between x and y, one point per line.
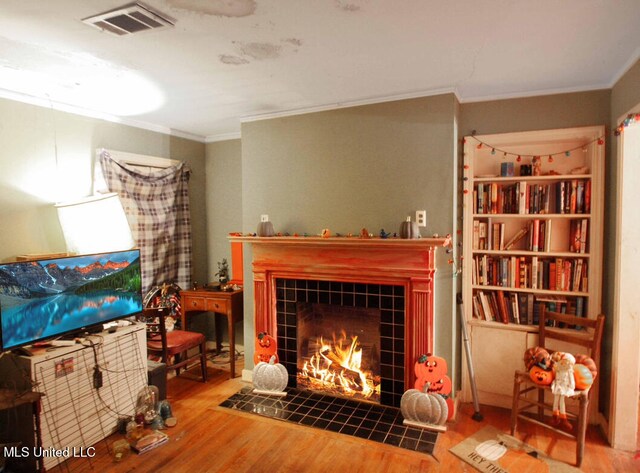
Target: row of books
489	235
553	274
563	197
523	309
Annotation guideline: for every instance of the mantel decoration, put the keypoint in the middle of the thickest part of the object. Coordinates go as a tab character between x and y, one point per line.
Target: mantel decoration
265	228
409	229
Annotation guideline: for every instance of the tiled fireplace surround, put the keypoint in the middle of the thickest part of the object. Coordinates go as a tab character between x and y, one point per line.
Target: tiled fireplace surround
394	275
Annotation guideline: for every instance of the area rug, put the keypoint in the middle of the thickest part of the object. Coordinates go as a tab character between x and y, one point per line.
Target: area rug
491	450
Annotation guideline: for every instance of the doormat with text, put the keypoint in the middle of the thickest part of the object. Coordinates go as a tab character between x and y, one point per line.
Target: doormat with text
492	451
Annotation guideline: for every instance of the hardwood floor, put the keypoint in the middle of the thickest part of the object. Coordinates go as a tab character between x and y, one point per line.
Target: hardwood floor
209	438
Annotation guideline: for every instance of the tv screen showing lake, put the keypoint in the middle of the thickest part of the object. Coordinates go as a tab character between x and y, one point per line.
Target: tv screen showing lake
48	298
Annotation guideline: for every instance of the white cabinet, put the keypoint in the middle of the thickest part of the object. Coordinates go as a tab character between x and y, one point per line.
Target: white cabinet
74	412
558	213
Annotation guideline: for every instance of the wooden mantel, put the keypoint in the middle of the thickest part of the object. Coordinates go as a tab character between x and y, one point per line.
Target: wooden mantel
393	261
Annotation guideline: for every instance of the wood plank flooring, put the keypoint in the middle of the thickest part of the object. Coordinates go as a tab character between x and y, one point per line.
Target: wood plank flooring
209	438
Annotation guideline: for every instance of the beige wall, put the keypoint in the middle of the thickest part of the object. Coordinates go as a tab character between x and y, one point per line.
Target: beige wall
346	169
46	156
224	199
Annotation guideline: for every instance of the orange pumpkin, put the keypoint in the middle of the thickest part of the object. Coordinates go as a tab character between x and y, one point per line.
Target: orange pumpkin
537	356
583	377
265	348
430	368
589	363
540	376
433	370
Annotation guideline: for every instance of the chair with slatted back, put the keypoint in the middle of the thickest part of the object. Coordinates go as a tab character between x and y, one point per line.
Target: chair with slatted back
554	329
173	346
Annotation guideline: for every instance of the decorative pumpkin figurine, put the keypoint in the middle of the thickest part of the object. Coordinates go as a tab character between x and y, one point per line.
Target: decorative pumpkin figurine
589	363
265	348
432	370
537	356
541	376
423	409
583	377
270	378
492	450
409	229
265	228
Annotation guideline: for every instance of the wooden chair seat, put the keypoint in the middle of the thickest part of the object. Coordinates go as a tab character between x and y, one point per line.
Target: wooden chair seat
590	338
178	341
173	347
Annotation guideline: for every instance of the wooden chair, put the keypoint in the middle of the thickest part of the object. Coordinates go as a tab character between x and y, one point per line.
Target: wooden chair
589	337
173	346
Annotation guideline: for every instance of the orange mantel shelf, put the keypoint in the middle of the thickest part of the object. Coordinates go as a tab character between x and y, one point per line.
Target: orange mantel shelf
408	263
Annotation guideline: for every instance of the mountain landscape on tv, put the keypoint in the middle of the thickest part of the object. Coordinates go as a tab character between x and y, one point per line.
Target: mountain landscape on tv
40	299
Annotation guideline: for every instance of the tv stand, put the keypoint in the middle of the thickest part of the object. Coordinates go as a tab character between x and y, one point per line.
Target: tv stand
74	413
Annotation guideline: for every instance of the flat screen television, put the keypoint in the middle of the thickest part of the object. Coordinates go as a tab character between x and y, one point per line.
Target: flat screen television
50	298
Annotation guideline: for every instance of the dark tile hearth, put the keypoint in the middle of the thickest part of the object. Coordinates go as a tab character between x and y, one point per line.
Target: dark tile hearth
368	421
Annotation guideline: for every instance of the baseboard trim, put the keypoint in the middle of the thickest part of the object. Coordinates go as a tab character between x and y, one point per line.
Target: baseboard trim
247	376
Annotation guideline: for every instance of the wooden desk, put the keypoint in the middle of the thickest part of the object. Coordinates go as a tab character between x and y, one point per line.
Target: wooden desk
229	304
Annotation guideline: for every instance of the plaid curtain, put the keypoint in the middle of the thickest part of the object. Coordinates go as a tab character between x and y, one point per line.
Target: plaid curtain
156	203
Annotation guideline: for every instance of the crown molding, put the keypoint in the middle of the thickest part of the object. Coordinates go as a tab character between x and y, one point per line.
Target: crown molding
62	107
351	103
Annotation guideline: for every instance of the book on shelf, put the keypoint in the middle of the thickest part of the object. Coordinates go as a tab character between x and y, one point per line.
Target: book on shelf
520	234
584	224
476	235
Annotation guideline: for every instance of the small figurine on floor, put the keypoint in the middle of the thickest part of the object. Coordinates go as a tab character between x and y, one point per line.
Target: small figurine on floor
563	385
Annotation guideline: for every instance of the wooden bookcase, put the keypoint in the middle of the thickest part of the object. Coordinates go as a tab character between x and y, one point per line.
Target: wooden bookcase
556	262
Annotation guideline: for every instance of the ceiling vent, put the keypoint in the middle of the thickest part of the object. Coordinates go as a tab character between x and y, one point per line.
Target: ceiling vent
129	19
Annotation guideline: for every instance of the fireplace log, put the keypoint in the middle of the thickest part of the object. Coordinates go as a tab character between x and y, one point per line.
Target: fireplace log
354	376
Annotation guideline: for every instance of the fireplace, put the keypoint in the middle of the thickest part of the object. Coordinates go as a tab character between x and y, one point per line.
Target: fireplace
387	282
373	312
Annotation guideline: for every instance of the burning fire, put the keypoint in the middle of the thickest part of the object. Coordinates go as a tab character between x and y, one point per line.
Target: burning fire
338	365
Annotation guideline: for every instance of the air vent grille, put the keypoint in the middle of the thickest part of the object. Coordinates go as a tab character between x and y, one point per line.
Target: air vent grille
129	19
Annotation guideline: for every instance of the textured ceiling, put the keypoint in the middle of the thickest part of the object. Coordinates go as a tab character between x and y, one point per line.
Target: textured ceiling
226	61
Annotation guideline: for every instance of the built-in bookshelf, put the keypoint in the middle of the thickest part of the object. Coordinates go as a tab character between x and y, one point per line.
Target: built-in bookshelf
533	219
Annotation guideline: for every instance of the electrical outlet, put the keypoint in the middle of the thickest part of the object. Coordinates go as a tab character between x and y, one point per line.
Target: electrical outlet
421	218
264	218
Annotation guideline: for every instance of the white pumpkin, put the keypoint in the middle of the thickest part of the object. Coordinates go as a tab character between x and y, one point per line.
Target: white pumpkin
492	450
270	376
424	407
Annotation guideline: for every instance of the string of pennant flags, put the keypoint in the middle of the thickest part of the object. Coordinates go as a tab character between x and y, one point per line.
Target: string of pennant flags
504	153
631	118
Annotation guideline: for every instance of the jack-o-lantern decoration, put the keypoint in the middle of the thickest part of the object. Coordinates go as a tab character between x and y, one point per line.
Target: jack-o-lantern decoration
540	376
431	370
265	348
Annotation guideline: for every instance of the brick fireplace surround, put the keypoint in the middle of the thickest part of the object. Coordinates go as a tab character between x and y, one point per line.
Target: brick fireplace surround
340	269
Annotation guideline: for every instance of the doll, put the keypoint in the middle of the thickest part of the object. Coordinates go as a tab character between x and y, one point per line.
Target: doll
563	385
